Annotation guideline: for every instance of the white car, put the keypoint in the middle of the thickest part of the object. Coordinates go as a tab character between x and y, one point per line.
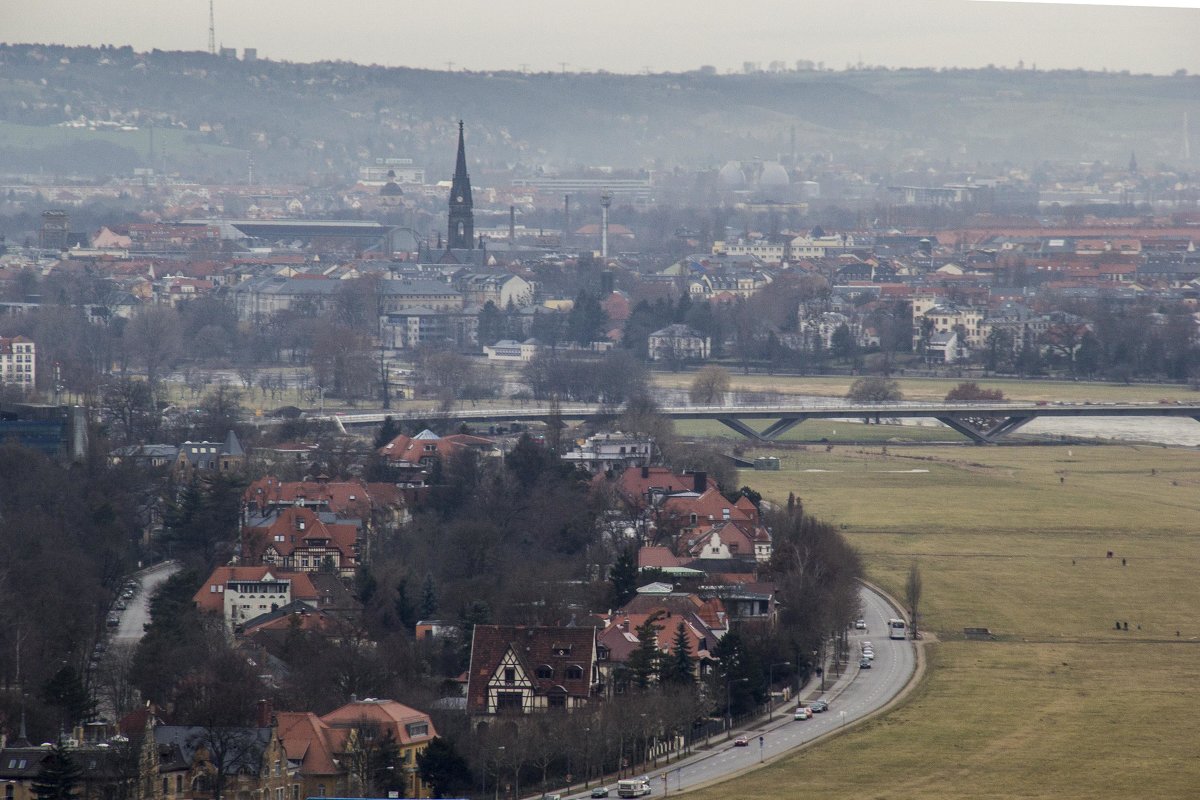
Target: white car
860	624
869	655
802	713
866	646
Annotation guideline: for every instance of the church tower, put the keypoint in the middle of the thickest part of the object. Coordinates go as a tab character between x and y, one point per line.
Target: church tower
462	218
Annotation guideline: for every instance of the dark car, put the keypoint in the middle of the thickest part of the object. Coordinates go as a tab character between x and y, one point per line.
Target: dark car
864	663
818	706
600	791
741	741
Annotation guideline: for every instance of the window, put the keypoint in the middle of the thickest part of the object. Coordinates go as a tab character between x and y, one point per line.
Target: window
166	786
510	675
574	672
508	701
557	700
417	729
545	672
9	788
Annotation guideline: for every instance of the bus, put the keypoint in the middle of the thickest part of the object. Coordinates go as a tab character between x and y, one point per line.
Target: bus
896	629
633	787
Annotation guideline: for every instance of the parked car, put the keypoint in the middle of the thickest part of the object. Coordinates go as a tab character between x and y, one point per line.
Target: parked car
819	705
860	624
866	645
114	622
600	791
864	663
869	654
741	741
802	713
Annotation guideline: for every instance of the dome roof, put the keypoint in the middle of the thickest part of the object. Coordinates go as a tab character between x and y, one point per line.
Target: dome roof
391	189
774	174
731	176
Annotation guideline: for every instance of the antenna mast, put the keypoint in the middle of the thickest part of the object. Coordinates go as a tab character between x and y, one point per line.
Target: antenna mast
212	31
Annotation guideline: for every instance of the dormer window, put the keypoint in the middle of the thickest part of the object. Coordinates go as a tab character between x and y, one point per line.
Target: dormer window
299	524
545	672
562	649
574	672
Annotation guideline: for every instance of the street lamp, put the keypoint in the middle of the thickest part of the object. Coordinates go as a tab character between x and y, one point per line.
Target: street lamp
771	687
587	756
499	750
729	703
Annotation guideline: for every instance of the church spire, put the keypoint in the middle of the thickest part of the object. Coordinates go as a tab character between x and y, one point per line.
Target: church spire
462	217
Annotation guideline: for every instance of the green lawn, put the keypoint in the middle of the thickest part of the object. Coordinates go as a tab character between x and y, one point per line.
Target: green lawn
1060	704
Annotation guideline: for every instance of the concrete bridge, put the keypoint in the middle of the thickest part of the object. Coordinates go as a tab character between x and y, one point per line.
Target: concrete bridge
982	423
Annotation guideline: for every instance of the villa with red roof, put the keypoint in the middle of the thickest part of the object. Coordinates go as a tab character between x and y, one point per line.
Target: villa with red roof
518	670
241	593
324	747
298	539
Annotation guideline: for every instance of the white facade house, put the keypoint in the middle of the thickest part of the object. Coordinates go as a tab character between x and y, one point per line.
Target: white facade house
512	350
18	362
678	343
613	452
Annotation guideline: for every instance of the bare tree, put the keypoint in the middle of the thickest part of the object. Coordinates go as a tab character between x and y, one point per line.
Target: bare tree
710	385
154	338
912	594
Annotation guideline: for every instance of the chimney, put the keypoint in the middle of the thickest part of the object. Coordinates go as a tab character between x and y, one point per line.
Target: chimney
701	482
263	714
512	224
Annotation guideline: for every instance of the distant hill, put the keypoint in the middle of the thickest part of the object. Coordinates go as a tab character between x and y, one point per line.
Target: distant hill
316	121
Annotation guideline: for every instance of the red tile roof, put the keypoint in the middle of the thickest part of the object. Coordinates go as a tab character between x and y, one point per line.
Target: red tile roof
297	527
387	714
302	588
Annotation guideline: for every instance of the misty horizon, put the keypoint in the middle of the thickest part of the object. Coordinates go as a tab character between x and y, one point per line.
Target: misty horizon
622	37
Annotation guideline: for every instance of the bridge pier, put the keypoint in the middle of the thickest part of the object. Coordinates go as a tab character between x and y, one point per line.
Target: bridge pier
767	434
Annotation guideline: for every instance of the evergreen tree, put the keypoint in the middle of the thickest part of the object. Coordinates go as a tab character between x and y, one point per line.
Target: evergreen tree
644	661
587	319
677	668
624	578
442	767
58	777
429	601
66	691
388	431
491	324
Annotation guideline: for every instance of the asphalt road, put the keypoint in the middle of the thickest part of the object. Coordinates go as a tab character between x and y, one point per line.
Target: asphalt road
853	696
137	611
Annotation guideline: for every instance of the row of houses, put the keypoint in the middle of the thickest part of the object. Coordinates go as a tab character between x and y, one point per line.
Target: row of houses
285	755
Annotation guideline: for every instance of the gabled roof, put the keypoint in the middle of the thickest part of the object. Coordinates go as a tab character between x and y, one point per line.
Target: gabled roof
205	600
557	647
190	738
307	742
298	527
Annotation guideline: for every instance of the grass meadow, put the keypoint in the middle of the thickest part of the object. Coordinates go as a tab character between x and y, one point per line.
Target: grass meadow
1015	539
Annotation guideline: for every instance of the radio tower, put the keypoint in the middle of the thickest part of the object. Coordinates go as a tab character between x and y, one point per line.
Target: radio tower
212	31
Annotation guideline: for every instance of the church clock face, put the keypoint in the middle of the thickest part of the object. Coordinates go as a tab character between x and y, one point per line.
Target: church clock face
459	198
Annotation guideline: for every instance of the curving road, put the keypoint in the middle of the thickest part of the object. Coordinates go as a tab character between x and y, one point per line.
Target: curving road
853	696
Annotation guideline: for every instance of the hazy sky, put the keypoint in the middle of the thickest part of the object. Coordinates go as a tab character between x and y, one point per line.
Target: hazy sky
633	35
